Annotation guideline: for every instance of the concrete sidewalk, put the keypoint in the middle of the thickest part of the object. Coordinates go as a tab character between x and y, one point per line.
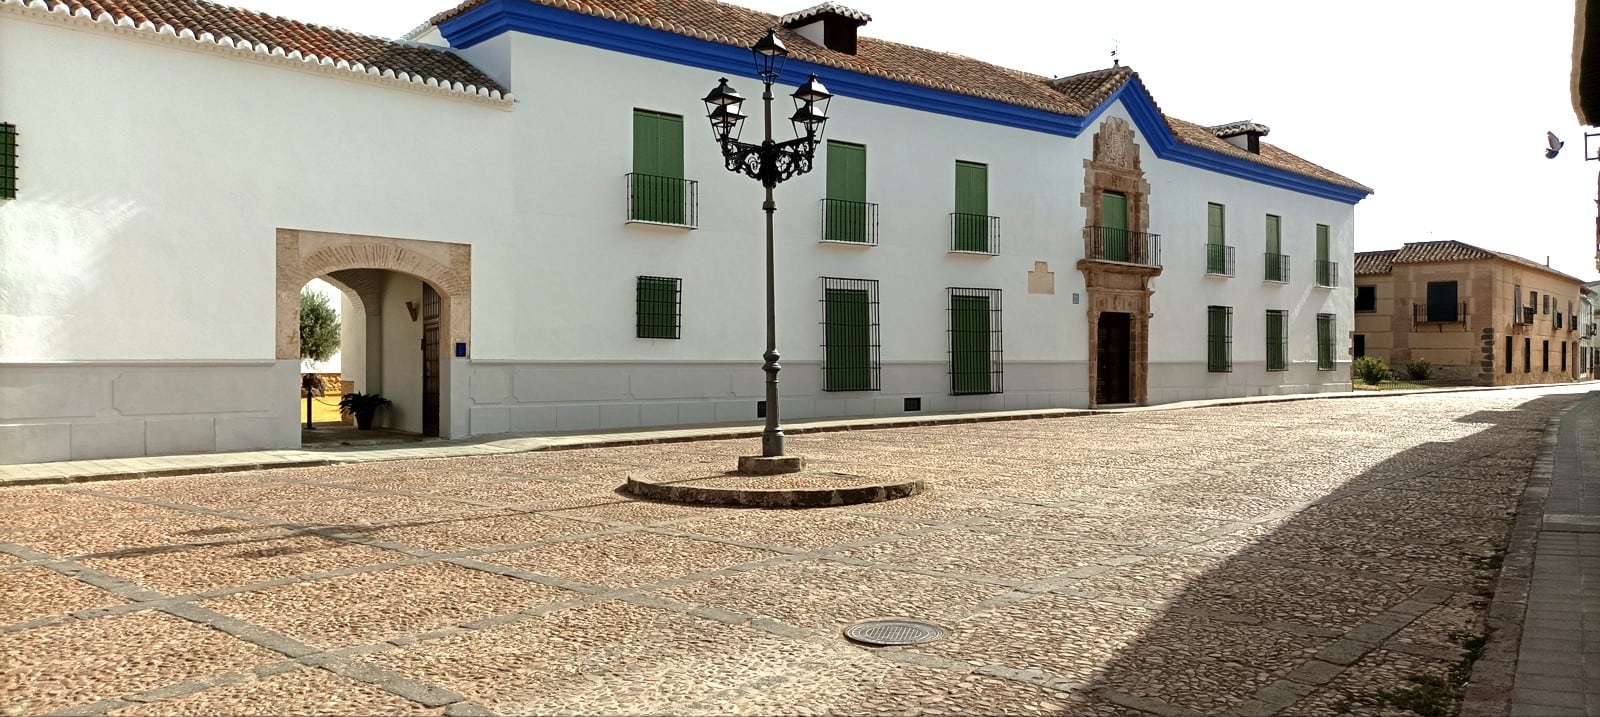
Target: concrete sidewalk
158	466
1558	662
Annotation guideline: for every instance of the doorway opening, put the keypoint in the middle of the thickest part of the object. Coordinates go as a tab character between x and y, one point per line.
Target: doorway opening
1114	358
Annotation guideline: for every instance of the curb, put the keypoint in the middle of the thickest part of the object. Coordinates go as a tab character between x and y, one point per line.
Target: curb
577	442
1488	690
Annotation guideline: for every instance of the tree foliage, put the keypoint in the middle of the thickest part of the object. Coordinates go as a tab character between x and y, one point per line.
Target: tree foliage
319	327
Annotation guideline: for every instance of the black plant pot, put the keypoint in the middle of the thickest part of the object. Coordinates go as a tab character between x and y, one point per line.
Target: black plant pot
364	420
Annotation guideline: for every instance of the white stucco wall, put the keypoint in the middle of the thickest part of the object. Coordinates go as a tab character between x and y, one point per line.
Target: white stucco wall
140	249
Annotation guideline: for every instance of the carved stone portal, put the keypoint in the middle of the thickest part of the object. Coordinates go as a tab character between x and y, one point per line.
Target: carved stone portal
1117	287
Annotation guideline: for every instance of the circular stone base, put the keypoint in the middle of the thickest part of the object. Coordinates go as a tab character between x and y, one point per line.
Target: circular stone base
803	489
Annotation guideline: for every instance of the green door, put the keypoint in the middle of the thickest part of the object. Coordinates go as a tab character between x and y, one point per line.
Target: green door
848	334
1216	239
969	344
657	191
1274	248
1324	267
971	224
846	207
1114	225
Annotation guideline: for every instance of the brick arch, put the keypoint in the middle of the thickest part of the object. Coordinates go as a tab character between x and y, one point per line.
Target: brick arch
358	300
304	255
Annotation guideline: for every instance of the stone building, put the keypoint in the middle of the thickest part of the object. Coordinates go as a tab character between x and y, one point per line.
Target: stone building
534	229
1476	315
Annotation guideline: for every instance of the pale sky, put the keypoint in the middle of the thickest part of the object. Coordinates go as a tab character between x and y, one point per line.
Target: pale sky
1441	107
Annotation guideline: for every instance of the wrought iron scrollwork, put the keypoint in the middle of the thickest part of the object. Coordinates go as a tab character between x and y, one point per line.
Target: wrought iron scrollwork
770	162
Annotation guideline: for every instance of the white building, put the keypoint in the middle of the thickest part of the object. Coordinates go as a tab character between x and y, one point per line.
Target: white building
578	257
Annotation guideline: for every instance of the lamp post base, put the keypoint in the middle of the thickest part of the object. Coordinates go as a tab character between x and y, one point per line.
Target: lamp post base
771	465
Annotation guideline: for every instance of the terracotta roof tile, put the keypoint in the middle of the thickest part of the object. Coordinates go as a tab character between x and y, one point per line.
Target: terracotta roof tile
259	28
1375	262
1076	95
1449	250
1424	252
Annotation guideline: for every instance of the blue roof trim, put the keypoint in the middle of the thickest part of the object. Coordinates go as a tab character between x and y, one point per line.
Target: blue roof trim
495	17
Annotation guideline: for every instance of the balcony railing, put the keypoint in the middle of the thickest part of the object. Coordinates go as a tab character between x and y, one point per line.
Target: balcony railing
654	199
1451	313
1219	260
1277	267
849	222
1327	274
974	233
1113	244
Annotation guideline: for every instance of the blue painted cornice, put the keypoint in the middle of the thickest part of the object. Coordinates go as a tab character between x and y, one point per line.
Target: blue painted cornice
495	17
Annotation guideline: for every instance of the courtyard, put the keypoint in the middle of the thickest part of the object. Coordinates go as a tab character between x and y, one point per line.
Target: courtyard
1310	557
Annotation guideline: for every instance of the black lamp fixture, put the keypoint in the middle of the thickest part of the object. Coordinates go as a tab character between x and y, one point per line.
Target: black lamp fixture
770	163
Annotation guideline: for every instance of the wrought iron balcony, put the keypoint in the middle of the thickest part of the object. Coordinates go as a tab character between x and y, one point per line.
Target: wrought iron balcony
1451	313
654	199
974	233
849	222
1219	260
1327	274
1277	267
1113	244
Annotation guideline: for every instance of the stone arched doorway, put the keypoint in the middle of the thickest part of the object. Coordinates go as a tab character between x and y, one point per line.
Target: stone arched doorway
402	287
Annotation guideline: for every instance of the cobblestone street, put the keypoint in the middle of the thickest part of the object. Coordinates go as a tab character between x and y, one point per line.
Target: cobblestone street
1307	557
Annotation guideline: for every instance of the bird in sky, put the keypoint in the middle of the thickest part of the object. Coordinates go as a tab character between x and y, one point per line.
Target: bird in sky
1555	145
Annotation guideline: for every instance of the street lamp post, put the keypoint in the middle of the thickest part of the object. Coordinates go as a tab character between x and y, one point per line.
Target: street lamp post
769	162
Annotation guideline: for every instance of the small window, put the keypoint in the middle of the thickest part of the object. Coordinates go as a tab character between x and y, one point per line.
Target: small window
1563	356
1219	339
975	341
850	351
1510	352
8	161
659	307
1358	345
1546	304
1325	342
1366	298
1277	340
1527	355
1545	364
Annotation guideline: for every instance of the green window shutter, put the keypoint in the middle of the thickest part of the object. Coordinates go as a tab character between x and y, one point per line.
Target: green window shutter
1114	225
847	192
969	344
1274	248
971	223
1325	342
847	333
657	190
1322	242
1216	229
1219	339
657	307
8	161
1442	306
1276	343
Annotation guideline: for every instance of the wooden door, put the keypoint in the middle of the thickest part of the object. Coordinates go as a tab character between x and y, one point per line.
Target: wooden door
1114	360
430	361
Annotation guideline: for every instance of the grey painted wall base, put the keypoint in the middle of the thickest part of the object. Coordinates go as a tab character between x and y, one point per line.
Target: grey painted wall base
89	410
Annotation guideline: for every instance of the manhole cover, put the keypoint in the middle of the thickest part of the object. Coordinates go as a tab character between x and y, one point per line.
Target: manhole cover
893	632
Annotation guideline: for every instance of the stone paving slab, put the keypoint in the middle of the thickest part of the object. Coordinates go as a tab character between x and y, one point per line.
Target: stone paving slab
1239	564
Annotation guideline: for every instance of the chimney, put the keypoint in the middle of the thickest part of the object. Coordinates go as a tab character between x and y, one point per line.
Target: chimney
1245	135
830	25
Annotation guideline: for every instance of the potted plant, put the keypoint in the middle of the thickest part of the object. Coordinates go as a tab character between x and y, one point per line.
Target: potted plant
363	406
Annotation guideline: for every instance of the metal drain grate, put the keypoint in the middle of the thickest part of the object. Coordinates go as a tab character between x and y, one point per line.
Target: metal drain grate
893	631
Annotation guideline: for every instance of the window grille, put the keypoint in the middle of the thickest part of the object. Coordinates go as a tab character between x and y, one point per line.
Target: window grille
1219	339
1325	342
8	161
659	307
1277	340
850	350
976	353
